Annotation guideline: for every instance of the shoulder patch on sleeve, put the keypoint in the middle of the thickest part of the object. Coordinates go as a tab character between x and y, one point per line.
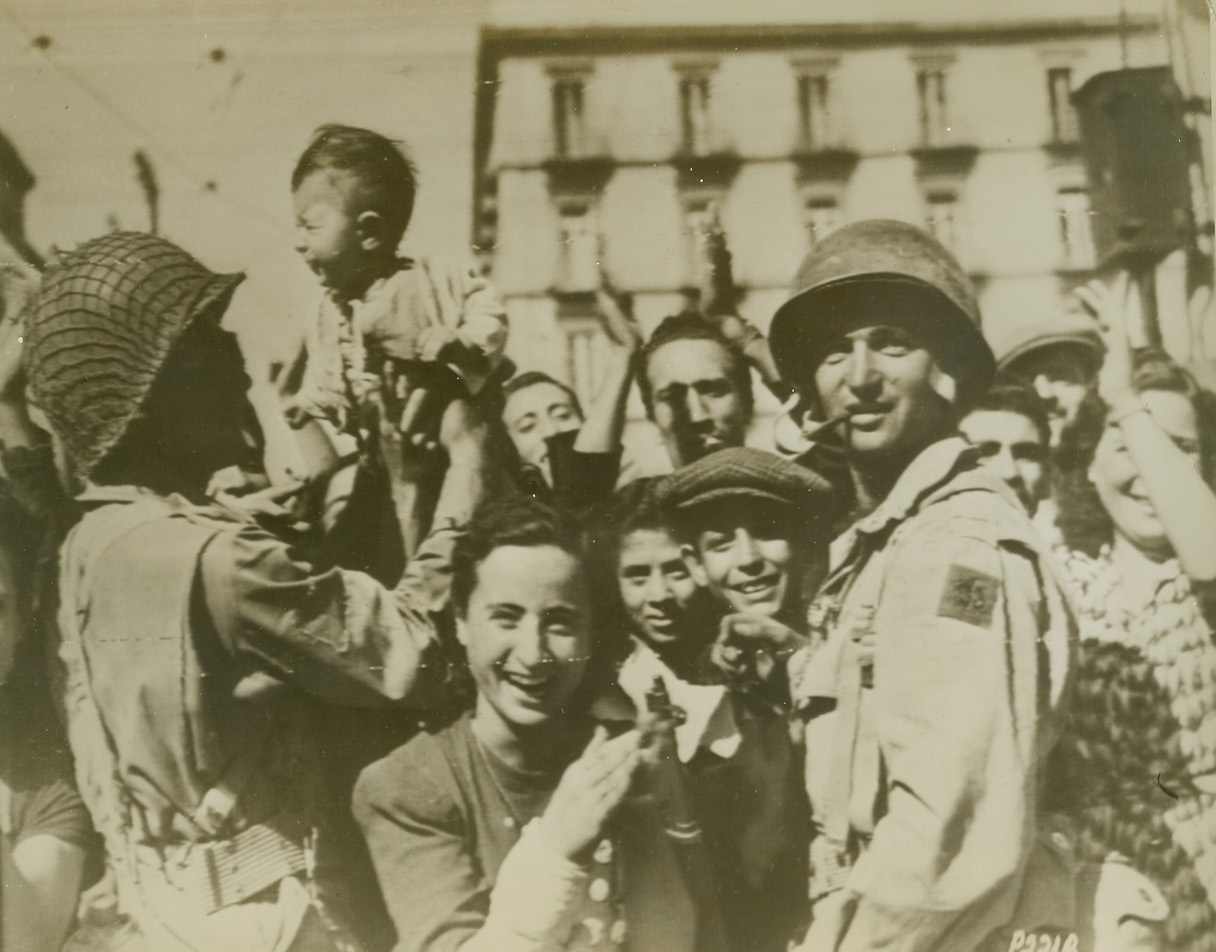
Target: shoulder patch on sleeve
969	596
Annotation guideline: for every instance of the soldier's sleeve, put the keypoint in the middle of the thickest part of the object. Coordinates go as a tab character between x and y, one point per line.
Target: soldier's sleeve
337	634
961	688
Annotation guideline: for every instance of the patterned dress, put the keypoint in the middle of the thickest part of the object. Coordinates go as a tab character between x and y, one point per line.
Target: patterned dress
1137	764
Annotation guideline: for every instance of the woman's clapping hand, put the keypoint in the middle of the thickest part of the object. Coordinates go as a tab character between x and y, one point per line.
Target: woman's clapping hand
590	790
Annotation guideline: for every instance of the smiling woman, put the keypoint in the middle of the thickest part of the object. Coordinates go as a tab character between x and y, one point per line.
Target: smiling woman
513	827
1135	768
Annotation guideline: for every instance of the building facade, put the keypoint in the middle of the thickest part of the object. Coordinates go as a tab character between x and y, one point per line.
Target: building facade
611	142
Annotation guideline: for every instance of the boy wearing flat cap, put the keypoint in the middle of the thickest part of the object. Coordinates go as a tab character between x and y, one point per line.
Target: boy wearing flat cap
932	686
754	528
751	524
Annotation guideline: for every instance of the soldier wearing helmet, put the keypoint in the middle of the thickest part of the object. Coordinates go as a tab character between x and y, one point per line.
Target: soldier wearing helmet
198	642
939	646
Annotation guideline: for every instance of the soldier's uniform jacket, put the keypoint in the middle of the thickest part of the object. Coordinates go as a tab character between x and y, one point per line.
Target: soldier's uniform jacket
931	692
190	638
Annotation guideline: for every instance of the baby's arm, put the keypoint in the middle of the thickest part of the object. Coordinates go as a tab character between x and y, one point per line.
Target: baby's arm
471	334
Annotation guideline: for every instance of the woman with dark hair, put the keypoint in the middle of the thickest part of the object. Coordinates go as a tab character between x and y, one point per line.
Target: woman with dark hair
512	828
1138	761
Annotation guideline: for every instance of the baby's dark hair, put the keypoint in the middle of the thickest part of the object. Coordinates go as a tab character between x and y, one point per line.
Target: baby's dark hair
519	521
386	176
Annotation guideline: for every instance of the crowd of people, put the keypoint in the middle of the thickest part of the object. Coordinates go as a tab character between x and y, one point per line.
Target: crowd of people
937	673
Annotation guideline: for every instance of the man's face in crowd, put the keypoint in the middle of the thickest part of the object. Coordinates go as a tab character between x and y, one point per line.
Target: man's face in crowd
534	414
880	378
744	553
1012	448
697	407
656	585
1062	375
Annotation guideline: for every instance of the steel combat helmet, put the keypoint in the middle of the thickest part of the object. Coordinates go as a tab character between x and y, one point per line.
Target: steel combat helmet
894	272
101	326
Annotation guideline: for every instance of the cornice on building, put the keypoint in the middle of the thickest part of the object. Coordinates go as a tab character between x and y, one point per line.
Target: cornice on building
500	42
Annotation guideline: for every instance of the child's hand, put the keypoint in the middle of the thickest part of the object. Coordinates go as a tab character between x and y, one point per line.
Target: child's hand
235	481
414	397
272	502
484	332
459	348
435	344
748	644
590	790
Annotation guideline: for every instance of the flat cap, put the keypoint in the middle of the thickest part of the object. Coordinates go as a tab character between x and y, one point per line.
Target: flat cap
742	473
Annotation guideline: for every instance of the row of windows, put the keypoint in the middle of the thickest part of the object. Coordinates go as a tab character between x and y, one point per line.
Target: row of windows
580	236
815	95
580	244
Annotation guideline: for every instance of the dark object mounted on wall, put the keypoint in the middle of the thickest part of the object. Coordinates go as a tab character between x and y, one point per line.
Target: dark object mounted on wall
1137	154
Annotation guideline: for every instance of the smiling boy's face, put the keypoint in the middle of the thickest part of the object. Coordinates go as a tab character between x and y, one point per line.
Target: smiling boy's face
656	585
748	555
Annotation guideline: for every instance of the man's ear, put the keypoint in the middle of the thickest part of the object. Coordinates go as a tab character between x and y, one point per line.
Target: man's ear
371	231
693	561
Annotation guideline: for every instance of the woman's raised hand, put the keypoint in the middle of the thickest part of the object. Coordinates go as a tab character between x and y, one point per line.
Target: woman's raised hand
1120	315
590	790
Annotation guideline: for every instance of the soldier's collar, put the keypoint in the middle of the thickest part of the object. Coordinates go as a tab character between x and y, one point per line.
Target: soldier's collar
931	470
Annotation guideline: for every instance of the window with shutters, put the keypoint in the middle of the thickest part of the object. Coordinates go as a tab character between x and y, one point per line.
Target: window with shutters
578	245
1064	127
1076	233
696	129
569	130
934	119
814	110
